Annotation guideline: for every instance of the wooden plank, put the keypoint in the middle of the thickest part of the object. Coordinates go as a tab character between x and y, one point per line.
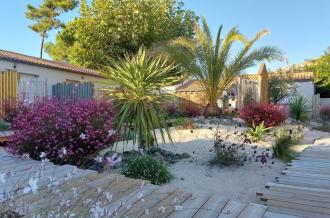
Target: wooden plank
299	195
143	207
299	199
298	189
232	209
305	174
253	211
269	214
88	190
191	206
167	205
118	207
212	207
313	171
297	206
305	182
296	213
118	189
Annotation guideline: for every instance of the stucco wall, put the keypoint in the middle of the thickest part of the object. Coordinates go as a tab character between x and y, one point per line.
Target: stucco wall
305	89
302	88
52	76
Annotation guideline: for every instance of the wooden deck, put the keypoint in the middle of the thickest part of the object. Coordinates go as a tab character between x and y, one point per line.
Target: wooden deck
303	189
118	195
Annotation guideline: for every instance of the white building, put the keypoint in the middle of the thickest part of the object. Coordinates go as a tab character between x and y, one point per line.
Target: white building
41	74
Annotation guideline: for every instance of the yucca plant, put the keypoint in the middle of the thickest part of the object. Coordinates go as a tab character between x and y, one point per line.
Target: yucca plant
139	99
256	132
299	108
213	63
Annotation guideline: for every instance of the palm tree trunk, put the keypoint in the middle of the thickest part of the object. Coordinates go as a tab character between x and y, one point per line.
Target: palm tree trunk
42	44
212	110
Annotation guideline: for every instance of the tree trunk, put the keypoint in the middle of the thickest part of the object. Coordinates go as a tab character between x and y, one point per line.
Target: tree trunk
42	45
212	110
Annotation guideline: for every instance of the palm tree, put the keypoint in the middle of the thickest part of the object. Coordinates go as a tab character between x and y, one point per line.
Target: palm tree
138	95
214	65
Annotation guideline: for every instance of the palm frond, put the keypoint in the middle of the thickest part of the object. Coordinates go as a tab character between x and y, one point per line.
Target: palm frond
139	98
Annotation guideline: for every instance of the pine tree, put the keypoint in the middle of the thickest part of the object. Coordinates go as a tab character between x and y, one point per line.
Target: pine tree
45	17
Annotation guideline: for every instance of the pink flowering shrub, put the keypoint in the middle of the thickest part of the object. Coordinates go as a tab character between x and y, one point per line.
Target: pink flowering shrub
325	112
271	114
63	134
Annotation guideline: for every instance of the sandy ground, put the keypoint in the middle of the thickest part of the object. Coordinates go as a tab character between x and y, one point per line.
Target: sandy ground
241	183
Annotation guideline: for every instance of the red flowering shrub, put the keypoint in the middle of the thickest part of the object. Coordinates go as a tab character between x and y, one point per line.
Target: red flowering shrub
271	114
65	134
325	112
192	111
171	109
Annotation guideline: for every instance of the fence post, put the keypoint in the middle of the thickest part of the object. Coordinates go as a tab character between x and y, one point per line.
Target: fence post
316	104
263	84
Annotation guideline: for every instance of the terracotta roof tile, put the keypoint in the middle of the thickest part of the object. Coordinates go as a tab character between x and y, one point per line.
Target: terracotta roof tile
26	59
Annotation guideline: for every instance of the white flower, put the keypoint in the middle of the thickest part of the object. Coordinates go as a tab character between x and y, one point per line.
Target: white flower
108	195
99	190
111	132
64	151
99	159
42	155
97	211
162	209
178	207
26	155
146	211
82	136
32	186
3	178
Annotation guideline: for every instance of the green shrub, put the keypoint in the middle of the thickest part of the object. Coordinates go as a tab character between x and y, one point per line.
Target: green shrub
147	168
285	138
299	109
183	122
226	154
256	132
4	126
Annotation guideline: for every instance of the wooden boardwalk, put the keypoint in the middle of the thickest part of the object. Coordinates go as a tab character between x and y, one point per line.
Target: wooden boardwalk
303	189
81	193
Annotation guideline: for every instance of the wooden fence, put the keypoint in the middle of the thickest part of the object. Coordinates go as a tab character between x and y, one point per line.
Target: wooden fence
73	91
8	89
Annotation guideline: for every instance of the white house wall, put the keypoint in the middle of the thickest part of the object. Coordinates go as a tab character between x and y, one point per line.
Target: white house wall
52	76
305	89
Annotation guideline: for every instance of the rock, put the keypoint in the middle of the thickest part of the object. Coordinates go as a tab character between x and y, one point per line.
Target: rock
185	155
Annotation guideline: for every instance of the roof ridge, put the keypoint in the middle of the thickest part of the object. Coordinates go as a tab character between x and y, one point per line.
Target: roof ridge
28	59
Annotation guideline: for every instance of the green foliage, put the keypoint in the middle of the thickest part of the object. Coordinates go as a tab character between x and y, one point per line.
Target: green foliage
299	109
183	122
256	132
280	86
226	154
45	17
139	100
215	64
112	28
285	138
4	126
321	69
147	168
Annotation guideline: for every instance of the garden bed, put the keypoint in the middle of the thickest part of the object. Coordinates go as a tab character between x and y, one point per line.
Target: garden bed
197	175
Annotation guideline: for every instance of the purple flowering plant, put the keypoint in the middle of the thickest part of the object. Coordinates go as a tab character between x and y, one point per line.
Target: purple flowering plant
67	134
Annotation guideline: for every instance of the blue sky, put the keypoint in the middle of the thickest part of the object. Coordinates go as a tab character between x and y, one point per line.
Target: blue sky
301	28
